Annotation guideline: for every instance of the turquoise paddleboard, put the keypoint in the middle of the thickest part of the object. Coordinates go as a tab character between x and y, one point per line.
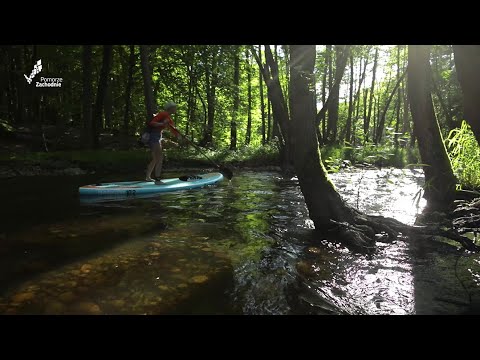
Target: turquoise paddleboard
134	188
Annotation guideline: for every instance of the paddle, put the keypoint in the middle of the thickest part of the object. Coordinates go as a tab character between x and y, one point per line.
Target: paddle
224	170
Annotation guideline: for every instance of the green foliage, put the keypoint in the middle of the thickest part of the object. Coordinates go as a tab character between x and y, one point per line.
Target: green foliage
464	154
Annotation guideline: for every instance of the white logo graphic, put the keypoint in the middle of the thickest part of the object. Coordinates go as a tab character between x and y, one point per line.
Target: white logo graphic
36	69
44	81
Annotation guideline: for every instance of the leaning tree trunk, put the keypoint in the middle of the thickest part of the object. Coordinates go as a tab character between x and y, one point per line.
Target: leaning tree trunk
381	124
439	178
101	94
87	93
147	82
236	99
323	202
350	104
279	106
128	91
467	63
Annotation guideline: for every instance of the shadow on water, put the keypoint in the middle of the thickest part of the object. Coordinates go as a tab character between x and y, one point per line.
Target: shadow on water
240	247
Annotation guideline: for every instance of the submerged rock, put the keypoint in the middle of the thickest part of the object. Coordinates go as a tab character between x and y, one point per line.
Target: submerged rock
67	297
89	308
55	308
22	297
199	279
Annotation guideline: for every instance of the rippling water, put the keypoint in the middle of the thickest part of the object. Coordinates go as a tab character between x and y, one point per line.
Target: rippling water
240	247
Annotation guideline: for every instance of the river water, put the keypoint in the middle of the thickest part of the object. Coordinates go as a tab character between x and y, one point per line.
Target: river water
241	247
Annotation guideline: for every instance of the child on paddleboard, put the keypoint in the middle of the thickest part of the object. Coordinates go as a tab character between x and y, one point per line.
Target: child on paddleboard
160	122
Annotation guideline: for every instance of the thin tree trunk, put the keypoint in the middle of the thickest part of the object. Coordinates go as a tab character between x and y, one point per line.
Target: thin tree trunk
20	86
279	108
439	178
108	105
350	104
357	112
249	81
381	124
366	125
87	92
324	94
374	115
334	93
358	96
128	91
236	99
147	82
269	121
35	97
211	86
262	100
192	83
101	94
397	123
204	106
399	98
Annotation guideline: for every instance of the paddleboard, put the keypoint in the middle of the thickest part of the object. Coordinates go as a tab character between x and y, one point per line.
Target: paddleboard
134	188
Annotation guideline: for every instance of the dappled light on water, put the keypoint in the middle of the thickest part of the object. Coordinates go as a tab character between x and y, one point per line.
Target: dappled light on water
246	246
393	193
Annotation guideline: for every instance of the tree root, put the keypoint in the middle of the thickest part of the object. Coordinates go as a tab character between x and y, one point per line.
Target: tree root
364	231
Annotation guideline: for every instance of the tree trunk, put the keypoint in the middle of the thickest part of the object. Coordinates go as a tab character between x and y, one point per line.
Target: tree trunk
366	125
332	102
20	86
87	93
358	96
204	106
211	86
323	202
269	120
128	91
248	135
101	94
147	82
324	95
350	104
439	178
34	96
191	97
467	63
262	100
399	98
398	106
279	107
108	105
375	107
236	99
